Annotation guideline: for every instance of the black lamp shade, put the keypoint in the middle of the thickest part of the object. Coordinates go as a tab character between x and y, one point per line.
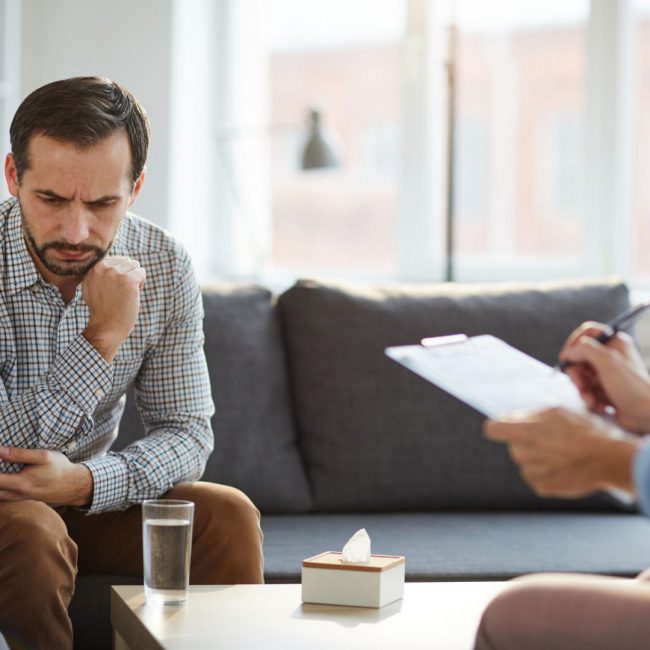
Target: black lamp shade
317	154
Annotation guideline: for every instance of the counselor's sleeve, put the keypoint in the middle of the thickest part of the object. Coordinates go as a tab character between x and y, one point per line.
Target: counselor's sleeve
58	408
174	399
641	475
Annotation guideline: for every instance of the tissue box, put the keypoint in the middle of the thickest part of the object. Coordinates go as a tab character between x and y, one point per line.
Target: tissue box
327	580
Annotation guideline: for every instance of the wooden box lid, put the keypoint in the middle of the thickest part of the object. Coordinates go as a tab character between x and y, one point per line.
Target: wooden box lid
334	560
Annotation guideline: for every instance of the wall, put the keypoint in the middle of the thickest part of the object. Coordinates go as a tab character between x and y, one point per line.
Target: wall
127	41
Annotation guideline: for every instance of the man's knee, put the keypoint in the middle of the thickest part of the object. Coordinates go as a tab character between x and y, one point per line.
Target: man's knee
227	539
35	532
220	505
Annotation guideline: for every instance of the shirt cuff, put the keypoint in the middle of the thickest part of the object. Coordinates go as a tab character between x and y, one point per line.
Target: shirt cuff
110	483
83	374
641	475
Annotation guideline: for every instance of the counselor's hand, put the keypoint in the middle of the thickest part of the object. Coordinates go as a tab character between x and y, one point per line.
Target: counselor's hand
565	454
610	377
111	289
46	476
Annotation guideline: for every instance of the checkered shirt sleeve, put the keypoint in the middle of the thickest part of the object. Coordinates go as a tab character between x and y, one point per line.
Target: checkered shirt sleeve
173	397
59	406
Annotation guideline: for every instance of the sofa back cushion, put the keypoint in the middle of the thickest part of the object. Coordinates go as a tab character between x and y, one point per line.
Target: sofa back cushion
375	436
255	439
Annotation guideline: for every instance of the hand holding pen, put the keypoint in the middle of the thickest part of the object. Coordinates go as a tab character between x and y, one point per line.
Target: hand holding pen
608	370
611	329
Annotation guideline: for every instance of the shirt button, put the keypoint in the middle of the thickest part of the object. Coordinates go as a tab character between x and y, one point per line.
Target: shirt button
71	446
99	393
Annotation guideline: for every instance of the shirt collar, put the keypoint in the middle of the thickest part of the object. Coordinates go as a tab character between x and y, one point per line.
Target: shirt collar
21	270
119	247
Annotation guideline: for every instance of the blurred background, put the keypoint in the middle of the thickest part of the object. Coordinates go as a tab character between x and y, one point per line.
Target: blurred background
472	140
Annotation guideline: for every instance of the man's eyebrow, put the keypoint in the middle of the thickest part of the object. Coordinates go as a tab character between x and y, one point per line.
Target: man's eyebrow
53	195
105	199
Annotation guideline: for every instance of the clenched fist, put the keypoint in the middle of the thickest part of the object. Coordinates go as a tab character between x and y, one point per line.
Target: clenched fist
111	289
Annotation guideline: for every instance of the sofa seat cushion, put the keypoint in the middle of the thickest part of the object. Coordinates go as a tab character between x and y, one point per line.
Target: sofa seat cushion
375	436
467	546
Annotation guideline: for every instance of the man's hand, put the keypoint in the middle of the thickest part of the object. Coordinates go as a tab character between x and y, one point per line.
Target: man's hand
610	377
46	476
111	289
565	454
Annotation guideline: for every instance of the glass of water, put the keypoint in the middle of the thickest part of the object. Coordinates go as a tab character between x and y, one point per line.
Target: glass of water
167	546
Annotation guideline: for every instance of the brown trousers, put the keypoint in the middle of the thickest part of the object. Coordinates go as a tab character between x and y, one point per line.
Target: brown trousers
568	612
41	550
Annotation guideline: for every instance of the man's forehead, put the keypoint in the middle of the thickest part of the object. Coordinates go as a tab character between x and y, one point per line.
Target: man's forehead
118	142
109	158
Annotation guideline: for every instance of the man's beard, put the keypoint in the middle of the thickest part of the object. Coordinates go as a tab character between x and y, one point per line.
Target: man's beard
71	268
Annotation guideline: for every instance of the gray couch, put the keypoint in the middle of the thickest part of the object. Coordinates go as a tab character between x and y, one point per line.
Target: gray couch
327	435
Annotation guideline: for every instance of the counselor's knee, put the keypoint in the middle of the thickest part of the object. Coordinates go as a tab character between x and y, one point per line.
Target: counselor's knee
504	624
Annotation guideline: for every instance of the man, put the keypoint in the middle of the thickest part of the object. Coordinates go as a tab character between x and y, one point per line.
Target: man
563	454
93	298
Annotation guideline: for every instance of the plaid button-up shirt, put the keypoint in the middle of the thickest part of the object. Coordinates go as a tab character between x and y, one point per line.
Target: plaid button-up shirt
57	392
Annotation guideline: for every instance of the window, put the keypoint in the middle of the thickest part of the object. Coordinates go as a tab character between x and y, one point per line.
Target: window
539	147
472	186
521	96
329	56
567	155
519	137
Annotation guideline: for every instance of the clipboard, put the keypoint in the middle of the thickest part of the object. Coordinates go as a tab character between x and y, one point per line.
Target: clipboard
494	378
489	375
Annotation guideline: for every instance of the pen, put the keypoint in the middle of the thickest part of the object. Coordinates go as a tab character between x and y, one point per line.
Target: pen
620	322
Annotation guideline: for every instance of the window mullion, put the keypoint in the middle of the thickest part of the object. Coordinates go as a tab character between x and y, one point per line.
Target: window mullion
608	139
421	220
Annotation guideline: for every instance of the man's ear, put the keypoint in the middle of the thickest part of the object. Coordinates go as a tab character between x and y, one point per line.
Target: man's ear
137	186
11	175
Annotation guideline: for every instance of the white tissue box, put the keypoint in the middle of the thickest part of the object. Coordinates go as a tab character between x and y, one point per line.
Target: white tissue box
327	580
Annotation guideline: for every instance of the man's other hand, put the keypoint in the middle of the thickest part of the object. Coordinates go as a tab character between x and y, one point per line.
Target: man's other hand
111	289
46	476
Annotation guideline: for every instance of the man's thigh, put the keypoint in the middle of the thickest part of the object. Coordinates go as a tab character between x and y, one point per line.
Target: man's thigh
111	543
108	543
28	526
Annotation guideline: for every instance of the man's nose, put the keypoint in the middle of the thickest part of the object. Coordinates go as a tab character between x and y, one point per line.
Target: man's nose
74	229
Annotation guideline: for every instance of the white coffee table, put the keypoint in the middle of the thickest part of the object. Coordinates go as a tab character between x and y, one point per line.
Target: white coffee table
432	615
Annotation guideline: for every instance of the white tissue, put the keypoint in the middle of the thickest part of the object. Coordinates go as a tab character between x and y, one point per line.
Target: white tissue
357	548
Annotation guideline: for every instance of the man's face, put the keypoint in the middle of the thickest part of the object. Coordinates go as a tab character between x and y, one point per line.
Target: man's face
73	201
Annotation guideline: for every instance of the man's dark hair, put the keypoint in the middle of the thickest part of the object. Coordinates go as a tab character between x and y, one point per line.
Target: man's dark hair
83	111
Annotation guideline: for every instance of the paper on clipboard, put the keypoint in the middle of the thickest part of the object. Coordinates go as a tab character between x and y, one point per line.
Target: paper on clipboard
494	378
489	375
